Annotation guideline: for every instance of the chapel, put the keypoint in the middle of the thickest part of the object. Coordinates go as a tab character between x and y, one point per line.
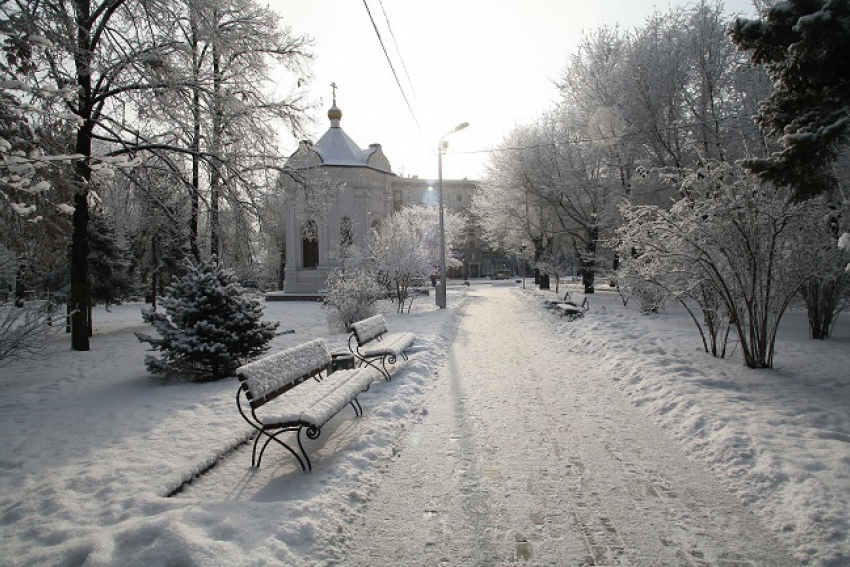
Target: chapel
336	192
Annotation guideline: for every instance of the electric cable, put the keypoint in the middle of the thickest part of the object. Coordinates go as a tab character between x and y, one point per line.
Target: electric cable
395	74
397	50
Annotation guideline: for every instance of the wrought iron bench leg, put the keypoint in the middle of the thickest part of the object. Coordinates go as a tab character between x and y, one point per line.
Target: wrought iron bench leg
364	360
358	409
273	437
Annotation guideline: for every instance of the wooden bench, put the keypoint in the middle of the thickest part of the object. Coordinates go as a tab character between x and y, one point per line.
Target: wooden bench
369	342
572	311
304	409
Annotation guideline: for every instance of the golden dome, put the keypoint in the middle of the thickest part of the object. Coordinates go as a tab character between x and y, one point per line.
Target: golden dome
334	113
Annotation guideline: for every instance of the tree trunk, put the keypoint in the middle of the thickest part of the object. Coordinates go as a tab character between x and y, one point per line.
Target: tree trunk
155	274
217	129
80	293
588	261
196	141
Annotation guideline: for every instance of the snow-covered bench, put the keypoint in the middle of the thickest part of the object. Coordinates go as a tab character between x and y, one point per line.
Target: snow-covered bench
304	409
551	303
572	311
369	342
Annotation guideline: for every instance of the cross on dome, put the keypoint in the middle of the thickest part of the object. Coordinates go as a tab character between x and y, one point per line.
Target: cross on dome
334	113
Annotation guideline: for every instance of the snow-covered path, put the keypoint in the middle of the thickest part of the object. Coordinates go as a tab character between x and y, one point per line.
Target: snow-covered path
526	453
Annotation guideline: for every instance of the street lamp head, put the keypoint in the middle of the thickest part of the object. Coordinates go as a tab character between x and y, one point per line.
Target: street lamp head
461	126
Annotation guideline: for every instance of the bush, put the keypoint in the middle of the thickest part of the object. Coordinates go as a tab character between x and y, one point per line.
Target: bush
351	297
210	326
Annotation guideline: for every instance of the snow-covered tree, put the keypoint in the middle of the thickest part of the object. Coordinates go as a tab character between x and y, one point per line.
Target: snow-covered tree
405	248
234	46
733	234
104	67
209	326
802	44
109	264
548	192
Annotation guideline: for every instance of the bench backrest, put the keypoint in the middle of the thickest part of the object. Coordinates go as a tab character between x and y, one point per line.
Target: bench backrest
369	329
270	376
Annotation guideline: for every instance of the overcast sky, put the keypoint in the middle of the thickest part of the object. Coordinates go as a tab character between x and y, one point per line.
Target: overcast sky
492	63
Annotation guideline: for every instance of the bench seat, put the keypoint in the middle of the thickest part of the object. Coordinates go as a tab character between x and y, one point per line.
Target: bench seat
295	390
317	403
394	344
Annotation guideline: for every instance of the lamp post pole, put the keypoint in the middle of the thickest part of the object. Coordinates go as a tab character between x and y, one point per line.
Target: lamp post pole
441	288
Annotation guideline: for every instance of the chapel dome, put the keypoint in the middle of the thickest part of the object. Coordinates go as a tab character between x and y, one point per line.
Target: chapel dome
334	113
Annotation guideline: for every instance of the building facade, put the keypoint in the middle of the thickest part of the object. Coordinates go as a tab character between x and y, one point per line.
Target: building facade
337	192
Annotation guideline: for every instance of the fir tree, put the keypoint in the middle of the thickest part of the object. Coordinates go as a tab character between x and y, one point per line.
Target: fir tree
109	264
802	45
210	326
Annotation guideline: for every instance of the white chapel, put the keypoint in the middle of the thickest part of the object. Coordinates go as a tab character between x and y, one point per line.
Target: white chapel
336	193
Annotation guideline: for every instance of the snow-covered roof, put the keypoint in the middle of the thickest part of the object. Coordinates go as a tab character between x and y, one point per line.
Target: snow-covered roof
335	147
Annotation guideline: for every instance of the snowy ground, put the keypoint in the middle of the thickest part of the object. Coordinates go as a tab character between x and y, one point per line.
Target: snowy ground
91	443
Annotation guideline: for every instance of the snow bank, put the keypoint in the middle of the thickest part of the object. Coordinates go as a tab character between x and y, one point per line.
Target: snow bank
779	438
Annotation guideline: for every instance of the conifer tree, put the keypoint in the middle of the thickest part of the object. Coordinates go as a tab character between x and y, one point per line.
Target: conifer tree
209	326
802	45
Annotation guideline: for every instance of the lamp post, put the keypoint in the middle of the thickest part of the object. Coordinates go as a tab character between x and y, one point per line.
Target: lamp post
441	289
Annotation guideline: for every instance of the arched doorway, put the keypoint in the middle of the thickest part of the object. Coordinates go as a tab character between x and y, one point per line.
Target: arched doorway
310	244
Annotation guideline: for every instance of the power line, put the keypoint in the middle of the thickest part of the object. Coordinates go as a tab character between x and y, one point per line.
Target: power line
397	50
392	68
598	140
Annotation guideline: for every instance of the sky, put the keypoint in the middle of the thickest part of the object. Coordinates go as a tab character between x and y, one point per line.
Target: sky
491	63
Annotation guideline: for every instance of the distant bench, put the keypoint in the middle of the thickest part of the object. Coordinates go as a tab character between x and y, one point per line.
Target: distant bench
370	342
568	308
300	410
572	311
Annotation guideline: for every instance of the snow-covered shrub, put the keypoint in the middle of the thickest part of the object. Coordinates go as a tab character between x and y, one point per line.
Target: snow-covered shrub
826	291
732	234
351	297
209	326
25	329
651	297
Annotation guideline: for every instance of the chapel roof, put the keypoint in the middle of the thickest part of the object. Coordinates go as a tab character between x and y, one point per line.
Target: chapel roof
335	147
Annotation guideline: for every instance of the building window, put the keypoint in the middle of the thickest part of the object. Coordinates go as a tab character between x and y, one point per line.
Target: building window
310	244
